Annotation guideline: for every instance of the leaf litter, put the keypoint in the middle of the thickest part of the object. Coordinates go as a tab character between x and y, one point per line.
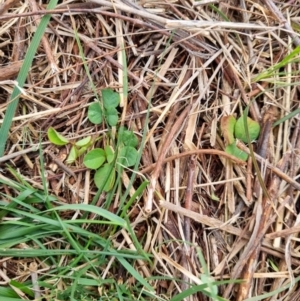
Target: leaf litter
179	68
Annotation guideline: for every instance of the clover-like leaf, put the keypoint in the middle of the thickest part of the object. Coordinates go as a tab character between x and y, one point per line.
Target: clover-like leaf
227	128
127	137
240	131
56	138
111	115
95	114
106	176
110	98
233	150
127	156
95	158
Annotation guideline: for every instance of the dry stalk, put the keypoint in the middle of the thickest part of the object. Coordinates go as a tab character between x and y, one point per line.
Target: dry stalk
172	136
248	259
196	152
276	170
45	41
186	251
273	8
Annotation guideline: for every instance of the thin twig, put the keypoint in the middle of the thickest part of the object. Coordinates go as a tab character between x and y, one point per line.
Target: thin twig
273	8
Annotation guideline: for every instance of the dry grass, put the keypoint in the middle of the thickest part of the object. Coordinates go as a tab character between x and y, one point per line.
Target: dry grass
190	67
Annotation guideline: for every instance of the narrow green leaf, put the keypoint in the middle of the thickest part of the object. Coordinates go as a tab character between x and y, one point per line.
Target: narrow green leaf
287	117
292	57
95	158
130	269
7	292
14	99
22	287
93	209
95	114
56	138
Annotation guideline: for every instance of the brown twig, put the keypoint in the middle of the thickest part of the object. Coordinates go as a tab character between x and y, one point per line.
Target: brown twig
45	41
278	14
248	260
276	170
196	152
187	220
172	136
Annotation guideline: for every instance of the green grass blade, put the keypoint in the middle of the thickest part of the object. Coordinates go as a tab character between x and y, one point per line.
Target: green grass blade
273	293
287	117
130	269
114	219
14	100
290	58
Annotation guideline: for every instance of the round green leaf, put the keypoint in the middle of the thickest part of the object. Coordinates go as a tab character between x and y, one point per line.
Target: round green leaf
106	174
233	150
73	155
95	113
56	138
128	137
95	158
110	98
111	115
127	156
110	154
253	128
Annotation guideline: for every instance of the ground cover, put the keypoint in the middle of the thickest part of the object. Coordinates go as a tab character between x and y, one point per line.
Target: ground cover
149	150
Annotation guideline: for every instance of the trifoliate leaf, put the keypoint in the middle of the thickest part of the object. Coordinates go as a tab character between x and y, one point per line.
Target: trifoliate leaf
127	156
110	98
95	114
111	115
95	158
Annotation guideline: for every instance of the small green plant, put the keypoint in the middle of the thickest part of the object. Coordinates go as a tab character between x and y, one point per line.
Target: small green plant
233	129
108	160
97	111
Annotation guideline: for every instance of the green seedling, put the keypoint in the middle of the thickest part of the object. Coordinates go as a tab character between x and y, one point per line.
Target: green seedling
108	160
97	111
78	148
99	159
125	156
233	129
